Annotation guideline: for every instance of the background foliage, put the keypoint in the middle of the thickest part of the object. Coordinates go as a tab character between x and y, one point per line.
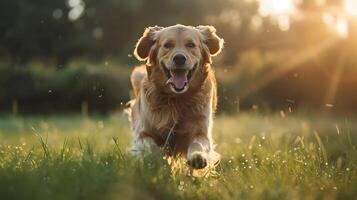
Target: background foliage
299	55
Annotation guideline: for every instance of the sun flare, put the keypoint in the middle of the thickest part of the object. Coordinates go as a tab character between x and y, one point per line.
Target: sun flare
280	11
351	7
342	27
277	7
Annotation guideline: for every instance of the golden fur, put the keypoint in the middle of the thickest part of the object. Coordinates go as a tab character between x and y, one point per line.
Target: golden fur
181	120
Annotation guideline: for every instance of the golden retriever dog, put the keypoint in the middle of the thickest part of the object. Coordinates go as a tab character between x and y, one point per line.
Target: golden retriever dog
175	93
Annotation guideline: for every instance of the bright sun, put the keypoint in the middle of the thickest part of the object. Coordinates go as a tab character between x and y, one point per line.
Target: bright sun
351	7
279	10
276	7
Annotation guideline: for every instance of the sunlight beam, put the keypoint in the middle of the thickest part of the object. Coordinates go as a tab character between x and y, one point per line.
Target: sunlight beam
283	69
335	80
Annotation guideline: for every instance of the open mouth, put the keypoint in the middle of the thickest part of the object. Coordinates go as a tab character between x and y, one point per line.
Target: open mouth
178	79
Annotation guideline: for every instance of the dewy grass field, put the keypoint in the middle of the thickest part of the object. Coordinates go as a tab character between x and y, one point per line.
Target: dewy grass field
263	157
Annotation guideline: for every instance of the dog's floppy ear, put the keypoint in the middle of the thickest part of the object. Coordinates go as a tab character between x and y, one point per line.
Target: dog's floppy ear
143	46
211	39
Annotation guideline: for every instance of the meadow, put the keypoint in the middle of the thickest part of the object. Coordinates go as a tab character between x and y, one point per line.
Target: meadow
264	156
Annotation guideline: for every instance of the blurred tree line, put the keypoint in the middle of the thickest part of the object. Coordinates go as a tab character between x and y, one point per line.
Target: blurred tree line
49	29
263	61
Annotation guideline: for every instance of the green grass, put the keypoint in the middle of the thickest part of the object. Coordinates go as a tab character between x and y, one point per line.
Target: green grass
263	157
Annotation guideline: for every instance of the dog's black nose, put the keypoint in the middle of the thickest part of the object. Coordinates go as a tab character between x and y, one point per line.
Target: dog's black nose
179	60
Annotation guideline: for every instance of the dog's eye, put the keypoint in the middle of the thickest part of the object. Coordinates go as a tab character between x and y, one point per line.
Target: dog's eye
190	45
168	45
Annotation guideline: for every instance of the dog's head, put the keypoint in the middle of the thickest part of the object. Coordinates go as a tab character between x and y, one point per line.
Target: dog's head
177	56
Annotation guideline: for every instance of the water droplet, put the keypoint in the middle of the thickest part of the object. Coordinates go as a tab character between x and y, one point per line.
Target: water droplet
57	13
180	187
237	140
329	105
97	34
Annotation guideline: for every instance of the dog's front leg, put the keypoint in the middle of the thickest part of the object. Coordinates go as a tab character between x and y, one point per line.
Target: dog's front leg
198	152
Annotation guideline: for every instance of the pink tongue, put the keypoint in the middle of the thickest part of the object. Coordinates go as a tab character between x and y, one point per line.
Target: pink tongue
178	79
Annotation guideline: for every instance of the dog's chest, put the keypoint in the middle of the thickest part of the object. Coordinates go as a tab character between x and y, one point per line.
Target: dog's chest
161	119
168	133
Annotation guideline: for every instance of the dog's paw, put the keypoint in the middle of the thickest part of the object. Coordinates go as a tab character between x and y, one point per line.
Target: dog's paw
197	161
